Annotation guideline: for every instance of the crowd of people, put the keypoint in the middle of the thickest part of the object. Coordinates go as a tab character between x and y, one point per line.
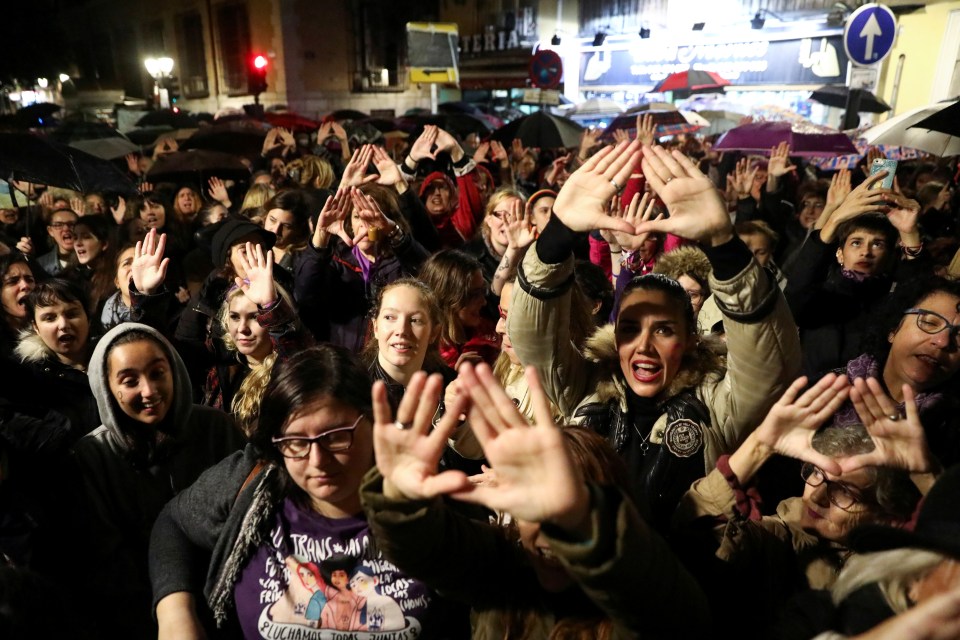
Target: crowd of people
452	389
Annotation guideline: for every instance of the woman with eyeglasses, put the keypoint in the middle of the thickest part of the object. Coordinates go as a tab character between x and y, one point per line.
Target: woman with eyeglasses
852	475
221	550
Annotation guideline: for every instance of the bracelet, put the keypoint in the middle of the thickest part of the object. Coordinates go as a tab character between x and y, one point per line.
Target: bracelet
406	162
612	252
911	252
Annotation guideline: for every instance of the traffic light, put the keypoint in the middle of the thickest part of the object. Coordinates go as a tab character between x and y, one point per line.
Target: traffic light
173	86
257	75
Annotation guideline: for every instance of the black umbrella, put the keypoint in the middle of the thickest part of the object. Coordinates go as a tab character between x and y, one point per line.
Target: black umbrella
38	114
34	159
347	114
458	107
239	137
947	120
196	165
460	124
146	136
834	95
69	132
541	130
169	118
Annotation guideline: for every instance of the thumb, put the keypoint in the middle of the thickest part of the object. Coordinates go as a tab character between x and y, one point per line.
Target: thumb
611	223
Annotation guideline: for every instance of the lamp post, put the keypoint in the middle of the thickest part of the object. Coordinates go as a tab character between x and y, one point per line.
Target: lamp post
159	68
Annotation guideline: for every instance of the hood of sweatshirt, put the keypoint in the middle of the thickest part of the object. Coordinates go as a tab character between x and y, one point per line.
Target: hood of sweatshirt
111	415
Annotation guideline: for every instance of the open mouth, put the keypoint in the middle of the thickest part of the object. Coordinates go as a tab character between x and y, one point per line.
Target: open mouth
403	347
646	371
151	408
66	340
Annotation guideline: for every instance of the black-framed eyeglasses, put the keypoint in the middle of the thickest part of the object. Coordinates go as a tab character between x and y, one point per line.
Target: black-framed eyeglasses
333	441
933	323
63	225
840	495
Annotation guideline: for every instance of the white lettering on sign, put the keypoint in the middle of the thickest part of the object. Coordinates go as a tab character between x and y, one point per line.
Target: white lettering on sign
490	41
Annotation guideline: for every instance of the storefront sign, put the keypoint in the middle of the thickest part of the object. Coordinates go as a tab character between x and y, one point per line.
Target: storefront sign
819	60
489	42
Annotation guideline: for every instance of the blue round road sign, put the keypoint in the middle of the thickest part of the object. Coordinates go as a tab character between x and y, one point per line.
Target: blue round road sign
869	34
546	69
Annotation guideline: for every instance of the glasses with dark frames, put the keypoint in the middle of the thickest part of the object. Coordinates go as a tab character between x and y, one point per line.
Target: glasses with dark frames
840	495
332	441
933	323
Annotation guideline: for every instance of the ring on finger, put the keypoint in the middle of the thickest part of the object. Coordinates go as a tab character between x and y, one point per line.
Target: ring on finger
614	183
894	416
403	426
667	181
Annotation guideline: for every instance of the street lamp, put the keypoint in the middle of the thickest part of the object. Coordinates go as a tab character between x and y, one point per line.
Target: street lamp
159	68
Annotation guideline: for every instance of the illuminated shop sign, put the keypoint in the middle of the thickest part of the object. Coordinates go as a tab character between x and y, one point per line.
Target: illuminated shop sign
819	60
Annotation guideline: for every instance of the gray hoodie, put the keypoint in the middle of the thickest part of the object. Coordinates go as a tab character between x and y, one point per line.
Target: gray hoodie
125	492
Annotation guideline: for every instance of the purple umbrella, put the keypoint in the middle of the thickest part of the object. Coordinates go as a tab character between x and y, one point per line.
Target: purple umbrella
805	139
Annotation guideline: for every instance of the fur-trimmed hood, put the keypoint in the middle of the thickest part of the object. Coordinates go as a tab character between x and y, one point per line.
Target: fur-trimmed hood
32	349
702	363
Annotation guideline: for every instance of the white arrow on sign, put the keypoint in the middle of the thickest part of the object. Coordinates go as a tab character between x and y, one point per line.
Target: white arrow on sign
870	31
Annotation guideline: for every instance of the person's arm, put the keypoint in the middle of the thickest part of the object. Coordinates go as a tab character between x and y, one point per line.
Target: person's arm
186	532
520	234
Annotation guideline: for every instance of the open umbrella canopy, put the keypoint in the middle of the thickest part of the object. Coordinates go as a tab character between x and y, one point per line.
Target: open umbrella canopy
805	139
243	137
292	121
541	130
834	95
691	81
197	165
34	159
168	118
346	114
460	124
903	131
946	120
38	114
595	107
720	121
651	106
106	148
69	132
667	123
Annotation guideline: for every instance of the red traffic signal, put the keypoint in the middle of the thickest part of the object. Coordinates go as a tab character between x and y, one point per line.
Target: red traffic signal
257	75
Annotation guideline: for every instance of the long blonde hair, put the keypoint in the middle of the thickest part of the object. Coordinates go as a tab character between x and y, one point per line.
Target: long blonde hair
245	405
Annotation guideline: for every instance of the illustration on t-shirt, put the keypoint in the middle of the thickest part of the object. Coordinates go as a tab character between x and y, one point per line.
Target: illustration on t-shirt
330	589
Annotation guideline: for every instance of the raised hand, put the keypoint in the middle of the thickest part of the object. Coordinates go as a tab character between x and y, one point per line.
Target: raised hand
517	150
873	153
589	139
779	164
646	129
408	450
386	167
271	142
499	154
423	146
133	163
324	132
120	211
536	479
743	175
330	222
640	210
900	441
78	206
863	199
839	187
697	212
446	142
218	191
480	155
581	203
286	138
355	172
25	245
792	422
46	200
903	213
556	168
340	133
149	267
620	135
258	285
369	211
520	230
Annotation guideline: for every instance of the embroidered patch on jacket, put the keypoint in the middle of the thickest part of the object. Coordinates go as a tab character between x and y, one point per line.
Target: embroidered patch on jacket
683	437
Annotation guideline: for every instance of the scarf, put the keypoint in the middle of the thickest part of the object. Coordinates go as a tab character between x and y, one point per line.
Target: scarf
866	366
363	262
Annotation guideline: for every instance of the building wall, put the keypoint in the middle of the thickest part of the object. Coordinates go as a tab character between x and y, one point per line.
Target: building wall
924	40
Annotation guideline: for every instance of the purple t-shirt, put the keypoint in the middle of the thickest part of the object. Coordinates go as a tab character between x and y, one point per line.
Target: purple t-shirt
320	578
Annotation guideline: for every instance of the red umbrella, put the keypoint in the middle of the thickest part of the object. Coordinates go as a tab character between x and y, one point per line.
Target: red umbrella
292	121
692	81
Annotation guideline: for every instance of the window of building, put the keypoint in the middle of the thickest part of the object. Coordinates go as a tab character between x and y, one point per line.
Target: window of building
233	33
192	56
380	45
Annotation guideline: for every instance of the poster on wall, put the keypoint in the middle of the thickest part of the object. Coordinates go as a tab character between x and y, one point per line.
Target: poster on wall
815	60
